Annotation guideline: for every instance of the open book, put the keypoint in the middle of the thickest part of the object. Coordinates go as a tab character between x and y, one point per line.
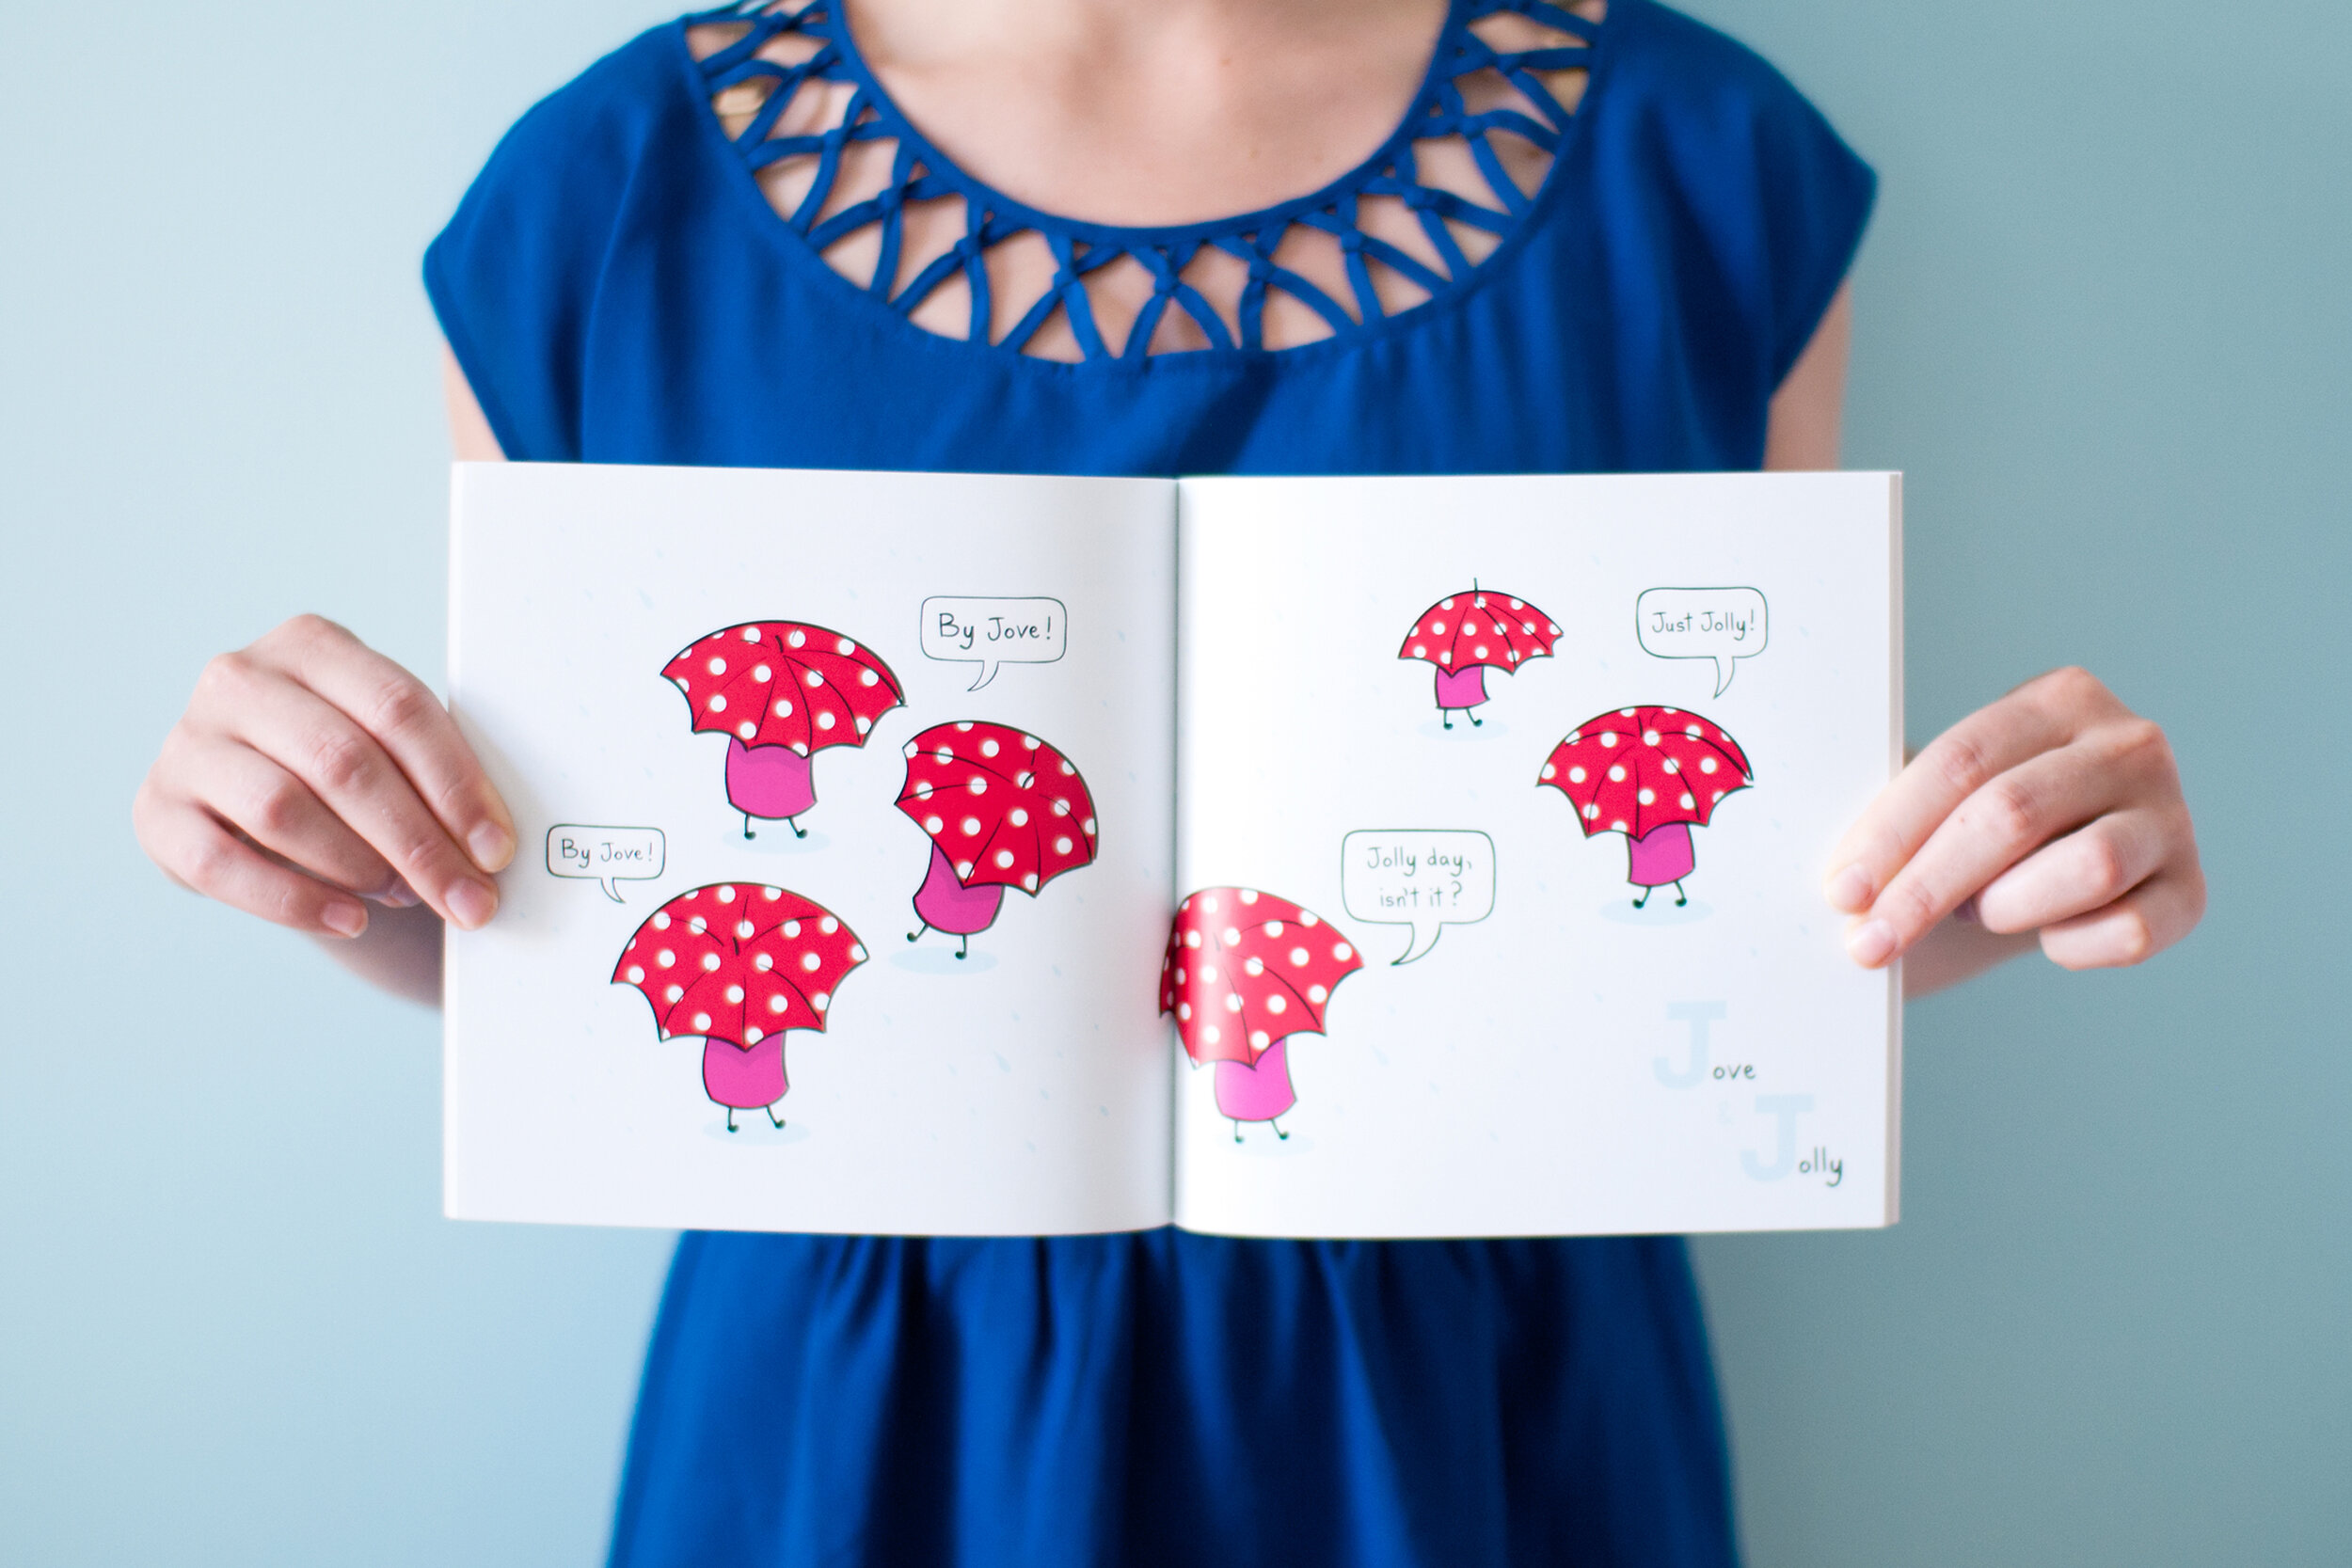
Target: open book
956	854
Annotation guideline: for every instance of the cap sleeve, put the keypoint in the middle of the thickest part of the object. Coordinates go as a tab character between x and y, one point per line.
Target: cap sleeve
514	276
1768	202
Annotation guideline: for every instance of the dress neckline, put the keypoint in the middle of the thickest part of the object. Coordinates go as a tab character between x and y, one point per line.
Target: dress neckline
922	172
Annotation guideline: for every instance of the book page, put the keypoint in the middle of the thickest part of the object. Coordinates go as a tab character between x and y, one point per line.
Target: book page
1504	811
845	819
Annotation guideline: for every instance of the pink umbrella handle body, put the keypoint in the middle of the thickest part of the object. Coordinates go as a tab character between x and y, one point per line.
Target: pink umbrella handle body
744	1078
1461	688
1260	1091
1661	856
947	905
770	782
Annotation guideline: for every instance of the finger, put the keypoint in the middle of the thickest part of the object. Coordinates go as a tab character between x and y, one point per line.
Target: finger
1988	832
2136	927
414	729
255	796
203	855
2085	870
359	782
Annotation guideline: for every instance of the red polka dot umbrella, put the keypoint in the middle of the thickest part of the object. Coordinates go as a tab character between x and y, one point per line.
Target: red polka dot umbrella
736	964
1244	972
781	692
1650	773
1467	634
1002	809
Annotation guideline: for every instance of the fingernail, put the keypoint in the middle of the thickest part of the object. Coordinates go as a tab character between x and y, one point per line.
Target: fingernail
345	920
491	844
1871	942
396	894
1850	889
472	905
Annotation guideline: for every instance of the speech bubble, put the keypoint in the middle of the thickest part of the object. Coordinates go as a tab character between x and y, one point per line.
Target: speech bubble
606	855
1425	878
1722	624
992	631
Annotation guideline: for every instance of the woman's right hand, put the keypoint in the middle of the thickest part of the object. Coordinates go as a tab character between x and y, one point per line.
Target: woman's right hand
310	769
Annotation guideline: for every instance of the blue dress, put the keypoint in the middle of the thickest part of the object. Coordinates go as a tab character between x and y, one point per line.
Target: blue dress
618	289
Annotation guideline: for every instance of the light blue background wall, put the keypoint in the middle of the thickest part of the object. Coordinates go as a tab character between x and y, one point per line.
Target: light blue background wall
2106	327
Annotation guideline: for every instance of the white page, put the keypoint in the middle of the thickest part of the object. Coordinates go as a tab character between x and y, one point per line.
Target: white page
1567	1064
1023	1090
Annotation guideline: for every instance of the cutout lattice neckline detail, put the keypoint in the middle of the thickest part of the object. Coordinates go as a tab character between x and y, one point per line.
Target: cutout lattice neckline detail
862	187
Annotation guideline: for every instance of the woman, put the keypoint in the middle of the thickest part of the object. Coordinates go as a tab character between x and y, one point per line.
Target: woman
1099	237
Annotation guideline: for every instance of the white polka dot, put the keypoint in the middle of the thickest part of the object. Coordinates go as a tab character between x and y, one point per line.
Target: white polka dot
797	636
726	896
1690	729
1061	808
1230	937
1576	775
867	677
963	726
1554	627
932	824
845	646
1278	1002
1250	895
1183	1010
1029	881
1616	774
791	929
763	961
814	678
1030	741
1087	827
1068	771
698	926
718	703
829	925
1003	860
743	929
1592	812
778	1003
661	921
746	730
664	959
753	1034
857	953
1309	917
1342	952
1574	735
1617	827
1254	967
1062	846
718	666
1274	928
710	961
1232	1003
702	1022
1673	766
1445	656
988	747
822	1000
1420	650
1650	737
811	962
1717	796
1192	939
674	994
1259	1038
735	994
1687	801
1549	771
1299	957
1608	738
944	754
971	826
750	634
1646	798
979	785
963	868
1020	817
826	719
1209	1034
636	974
1317	995
784	707
1479	651
761	673
1208	900
1707	764
1208	974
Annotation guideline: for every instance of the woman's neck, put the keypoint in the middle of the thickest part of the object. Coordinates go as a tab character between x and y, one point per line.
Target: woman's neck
1150	111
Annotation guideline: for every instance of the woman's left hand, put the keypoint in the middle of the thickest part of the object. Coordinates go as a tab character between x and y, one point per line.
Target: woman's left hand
2057	810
